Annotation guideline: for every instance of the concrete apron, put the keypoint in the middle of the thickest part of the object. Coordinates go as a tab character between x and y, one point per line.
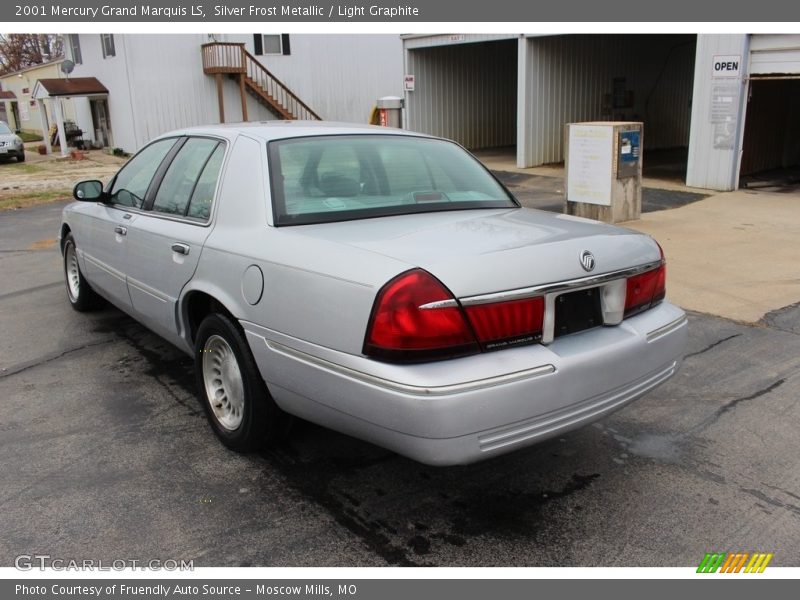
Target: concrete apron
735	254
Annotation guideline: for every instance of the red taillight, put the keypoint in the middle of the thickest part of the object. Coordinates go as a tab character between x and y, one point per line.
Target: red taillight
661	284
507	323
404	326
645	290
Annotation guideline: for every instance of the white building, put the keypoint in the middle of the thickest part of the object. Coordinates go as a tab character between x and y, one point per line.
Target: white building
19	108
157	83
714	107
720	106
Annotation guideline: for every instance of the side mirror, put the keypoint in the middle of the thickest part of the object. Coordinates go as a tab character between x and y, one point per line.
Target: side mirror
88	191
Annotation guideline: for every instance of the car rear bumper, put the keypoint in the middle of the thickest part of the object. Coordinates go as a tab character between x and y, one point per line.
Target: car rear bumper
468	409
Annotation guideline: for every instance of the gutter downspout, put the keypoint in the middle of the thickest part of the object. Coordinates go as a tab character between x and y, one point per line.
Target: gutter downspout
130	93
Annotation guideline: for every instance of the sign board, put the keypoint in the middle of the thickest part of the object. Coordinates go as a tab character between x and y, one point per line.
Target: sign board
726	65
725	114
724	102
408	83
591	150
629	152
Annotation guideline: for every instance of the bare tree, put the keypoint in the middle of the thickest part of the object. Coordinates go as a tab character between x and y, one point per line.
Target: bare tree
22	50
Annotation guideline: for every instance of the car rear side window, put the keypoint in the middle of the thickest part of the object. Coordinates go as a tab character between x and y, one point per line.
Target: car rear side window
341	177
130	185
203	195
182	176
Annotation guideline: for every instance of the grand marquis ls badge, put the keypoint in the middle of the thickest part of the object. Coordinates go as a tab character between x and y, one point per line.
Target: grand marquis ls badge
587	260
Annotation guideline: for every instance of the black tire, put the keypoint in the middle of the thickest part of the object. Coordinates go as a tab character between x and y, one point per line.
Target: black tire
80	294
21	157
242	426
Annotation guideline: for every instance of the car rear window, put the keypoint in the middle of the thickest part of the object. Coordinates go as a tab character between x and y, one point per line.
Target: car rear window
335	178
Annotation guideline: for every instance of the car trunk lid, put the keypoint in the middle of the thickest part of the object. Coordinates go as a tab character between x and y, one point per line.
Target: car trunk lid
490	250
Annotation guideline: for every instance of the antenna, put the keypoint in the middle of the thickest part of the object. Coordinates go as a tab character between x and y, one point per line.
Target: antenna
66	67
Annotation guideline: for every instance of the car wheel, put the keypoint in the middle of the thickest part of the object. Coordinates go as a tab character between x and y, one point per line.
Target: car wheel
81	295
21	157
236	400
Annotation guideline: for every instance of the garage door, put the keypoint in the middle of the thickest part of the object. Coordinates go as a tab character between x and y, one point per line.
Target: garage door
774	55
772	125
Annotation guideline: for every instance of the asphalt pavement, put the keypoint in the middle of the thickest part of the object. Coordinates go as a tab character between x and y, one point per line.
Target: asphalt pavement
105	454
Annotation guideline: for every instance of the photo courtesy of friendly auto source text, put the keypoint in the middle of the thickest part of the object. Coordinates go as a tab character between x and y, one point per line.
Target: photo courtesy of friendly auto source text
392	285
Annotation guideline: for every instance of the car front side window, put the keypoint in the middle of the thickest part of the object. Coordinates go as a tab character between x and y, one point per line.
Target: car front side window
131	183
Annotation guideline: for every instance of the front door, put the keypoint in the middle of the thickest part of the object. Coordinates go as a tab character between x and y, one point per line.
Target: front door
15	114
101	121
103	237
101	242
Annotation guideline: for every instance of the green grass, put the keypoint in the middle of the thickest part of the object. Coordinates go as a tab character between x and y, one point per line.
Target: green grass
30	137
27	199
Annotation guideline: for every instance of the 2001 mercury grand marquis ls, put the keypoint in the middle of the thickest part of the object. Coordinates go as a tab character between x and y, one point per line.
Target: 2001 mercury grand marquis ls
374	281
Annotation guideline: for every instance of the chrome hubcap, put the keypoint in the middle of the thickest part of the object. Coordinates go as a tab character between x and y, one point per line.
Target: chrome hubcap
223	382
72	272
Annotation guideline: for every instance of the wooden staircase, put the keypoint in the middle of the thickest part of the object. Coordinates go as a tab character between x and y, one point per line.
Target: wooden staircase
232	59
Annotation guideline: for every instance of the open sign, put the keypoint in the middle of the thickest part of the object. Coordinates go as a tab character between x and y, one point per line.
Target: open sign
728	65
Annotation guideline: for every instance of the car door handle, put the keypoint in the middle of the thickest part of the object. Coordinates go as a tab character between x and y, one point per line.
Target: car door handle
121	230
180	248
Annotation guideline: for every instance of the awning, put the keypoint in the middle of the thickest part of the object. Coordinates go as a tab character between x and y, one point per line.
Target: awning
75	86
7	96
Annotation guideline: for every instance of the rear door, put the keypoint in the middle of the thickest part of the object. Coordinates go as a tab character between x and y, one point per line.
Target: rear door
102	236
166	239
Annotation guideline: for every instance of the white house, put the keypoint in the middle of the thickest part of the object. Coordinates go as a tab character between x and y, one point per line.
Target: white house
18	106
156	83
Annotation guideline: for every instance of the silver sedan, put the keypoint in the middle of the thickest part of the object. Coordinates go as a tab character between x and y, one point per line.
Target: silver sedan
10	144
377	282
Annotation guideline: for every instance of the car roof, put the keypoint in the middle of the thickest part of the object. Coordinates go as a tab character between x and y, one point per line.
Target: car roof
276	130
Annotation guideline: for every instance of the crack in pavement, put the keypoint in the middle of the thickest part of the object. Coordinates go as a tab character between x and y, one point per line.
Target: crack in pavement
771	501
713	345
20	250
16	369
30	290
666	447
781	319
729	406
778	489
